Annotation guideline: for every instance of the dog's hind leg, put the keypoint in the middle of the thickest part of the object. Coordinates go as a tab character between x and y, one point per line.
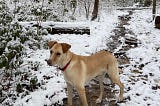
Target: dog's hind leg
101	78
118	82
114	75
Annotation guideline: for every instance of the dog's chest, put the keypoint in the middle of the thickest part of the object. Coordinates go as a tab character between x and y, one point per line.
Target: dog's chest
68	78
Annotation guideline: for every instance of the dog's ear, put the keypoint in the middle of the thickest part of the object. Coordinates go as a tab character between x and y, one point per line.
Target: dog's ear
51	43
65	47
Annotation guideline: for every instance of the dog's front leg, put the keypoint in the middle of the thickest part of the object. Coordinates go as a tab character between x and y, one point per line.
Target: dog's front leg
100	78
82	95
70	94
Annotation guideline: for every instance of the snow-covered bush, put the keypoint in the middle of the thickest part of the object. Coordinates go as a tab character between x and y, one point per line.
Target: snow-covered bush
11	47
11	50
15	78
147	3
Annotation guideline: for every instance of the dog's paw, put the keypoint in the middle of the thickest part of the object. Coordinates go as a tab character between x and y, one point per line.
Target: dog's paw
98	100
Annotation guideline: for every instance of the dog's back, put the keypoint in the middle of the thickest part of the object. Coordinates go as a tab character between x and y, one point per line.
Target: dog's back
97	63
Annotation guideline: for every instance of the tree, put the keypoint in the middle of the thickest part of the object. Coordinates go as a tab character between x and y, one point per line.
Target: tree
154	9
95	10
87	5
73	6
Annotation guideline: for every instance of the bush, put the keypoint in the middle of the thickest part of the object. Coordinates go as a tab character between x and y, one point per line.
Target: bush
10	40
147	3
13	40
19	88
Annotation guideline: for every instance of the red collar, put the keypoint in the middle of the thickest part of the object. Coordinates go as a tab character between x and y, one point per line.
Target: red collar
65	67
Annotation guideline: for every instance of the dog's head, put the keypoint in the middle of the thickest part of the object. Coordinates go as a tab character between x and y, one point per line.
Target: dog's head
58	52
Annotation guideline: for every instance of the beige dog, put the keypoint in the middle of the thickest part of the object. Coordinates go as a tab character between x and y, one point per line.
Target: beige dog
80	69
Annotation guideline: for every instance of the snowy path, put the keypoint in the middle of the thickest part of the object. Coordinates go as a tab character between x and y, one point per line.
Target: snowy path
142	76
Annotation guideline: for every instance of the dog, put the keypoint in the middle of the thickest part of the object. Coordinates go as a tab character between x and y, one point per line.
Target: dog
79	69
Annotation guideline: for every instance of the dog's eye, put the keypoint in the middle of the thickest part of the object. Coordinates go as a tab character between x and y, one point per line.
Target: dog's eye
58	54
51	52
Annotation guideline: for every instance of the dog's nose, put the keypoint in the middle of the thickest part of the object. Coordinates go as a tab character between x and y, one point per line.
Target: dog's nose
49	62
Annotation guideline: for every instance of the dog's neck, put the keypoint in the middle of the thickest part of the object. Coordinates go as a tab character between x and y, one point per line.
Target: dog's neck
65	67
66	62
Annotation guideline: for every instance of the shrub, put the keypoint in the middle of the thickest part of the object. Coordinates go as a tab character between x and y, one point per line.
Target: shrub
13	40
147	3
10	40
19	88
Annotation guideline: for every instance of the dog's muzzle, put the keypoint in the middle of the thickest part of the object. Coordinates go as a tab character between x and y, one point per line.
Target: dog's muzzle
49	62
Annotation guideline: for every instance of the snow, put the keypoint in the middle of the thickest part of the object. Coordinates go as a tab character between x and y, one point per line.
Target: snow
57	24
147	53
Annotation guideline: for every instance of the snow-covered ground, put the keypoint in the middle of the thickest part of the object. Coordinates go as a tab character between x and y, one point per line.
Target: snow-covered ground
142	87
145	82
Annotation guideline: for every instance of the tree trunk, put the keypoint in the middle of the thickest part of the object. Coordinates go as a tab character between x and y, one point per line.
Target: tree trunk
87	5
95	10
154	9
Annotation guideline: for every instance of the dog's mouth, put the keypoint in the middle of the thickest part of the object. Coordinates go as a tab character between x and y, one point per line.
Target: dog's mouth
56	66
49	62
